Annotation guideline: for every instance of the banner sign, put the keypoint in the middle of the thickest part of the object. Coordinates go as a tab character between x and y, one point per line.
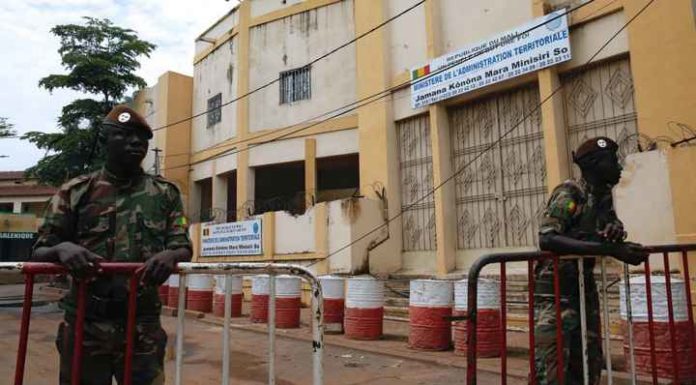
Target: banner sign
505	56
4	235
230	239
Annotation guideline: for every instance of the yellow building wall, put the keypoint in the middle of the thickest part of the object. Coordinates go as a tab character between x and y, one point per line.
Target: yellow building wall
663	56
377	134
18	223
662	44
178	91
172	130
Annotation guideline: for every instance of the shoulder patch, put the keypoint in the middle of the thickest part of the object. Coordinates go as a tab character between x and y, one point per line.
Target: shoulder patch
574	189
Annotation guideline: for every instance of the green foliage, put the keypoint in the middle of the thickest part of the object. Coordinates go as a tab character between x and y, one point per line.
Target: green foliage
6	130
101	60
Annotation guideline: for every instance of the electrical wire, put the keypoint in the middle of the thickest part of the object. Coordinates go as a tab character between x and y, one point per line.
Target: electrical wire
371	98
488	148
322	57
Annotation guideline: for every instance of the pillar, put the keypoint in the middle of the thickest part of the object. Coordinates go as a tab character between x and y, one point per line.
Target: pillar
220	198
445	210
245	175
310	166
379	164
552	120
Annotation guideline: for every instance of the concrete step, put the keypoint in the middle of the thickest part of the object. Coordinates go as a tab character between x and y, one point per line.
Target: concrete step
394	311
396	302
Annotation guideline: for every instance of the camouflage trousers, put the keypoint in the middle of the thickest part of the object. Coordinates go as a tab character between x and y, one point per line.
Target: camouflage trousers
103	353
545	333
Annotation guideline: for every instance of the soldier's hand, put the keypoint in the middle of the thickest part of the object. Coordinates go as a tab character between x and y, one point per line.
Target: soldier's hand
77	259
159	267
613	232
631	253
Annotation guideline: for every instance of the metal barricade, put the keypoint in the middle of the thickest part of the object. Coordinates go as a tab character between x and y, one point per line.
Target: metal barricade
272	269
531	258
31	269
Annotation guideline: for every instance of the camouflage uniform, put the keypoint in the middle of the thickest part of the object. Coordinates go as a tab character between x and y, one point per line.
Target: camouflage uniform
575	212
122	220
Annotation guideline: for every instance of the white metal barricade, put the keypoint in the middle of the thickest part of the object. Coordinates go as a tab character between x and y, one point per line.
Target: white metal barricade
272	269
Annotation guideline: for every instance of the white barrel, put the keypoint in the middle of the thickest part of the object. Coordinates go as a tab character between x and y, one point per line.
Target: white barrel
259	284
220	284
288	286
200	282
488	294
658	285
430	293
364	292
173	280
333	287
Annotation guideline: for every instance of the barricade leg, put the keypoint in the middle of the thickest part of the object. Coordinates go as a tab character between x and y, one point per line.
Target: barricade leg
503	325
532	324
130	330
471	326
560	373
583	322
651	325
689	304
605	326
318	332
180	314
24	329
670	312
629	321
226	332
76	369
271	328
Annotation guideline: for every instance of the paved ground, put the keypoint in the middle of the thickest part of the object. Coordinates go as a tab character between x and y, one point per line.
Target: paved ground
387	361
248	358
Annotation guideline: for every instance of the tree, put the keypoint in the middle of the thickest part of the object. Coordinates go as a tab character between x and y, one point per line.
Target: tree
6	130
101	60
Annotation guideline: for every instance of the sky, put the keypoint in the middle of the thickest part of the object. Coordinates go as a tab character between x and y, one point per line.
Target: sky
30	52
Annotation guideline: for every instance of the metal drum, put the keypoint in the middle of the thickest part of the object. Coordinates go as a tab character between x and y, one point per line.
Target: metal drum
364	308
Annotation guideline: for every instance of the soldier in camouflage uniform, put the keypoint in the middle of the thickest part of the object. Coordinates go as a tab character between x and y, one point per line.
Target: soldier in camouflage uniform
117	214
579	219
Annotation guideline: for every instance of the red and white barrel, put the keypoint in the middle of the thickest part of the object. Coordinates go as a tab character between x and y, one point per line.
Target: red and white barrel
219	296
364	308
288	299
489	334
334	291
173	292
259	299
430	306
199	296
664	356
163	292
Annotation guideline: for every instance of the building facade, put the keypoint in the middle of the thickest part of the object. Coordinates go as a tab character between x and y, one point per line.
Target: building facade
329	152
22	204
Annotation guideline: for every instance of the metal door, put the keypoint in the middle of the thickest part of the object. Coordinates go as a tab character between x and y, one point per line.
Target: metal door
416	169
501	189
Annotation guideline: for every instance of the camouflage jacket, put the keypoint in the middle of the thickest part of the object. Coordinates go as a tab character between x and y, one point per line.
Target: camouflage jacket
575	211
121	220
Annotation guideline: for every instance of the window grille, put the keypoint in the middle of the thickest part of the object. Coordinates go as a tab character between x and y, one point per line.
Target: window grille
599	102
214	110
295	85
416	168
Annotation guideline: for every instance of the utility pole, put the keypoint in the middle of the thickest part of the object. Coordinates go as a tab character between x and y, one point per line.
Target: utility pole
157	150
